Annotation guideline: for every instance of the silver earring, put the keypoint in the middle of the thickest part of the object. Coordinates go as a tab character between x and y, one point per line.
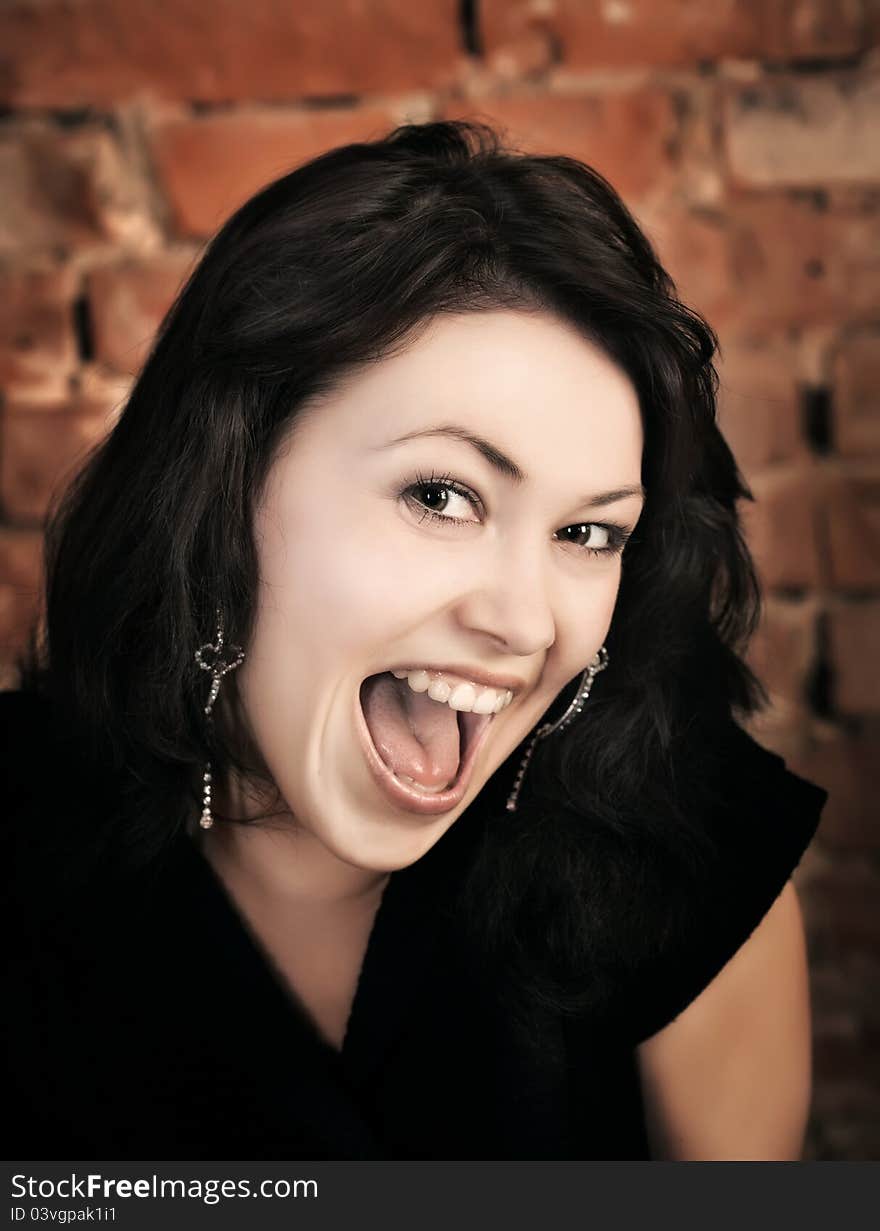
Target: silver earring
216	659
599	663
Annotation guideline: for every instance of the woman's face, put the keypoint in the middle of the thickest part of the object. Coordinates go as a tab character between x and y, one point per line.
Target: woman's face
515	574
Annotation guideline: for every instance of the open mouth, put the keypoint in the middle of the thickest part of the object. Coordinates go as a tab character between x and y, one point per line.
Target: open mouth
420	751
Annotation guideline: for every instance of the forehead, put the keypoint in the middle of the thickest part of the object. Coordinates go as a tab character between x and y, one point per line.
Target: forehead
525	380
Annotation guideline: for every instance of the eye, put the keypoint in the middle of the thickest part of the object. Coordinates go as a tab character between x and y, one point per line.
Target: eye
596	536
428	494
603	539
432	496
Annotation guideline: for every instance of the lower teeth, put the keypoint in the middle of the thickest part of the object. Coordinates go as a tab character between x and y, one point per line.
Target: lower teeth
429	790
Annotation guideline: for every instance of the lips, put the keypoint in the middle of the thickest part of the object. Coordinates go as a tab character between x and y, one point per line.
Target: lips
473	728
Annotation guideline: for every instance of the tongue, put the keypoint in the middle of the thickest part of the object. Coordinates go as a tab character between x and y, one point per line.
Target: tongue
414	735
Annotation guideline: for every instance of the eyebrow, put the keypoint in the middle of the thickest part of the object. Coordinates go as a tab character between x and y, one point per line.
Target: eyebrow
506	465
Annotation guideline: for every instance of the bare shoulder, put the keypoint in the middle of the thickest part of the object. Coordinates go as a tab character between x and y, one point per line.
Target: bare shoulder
730	1077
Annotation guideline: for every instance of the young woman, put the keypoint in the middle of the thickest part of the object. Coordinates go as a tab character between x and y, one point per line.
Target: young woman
377	789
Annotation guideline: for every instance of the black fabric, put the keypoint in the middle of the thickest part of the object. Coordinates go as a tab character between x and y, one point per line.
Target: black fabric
769	818
143	1021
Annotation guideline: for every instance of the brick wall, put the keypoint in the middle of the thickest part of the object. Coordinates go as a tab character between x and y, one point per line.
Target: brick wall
744	135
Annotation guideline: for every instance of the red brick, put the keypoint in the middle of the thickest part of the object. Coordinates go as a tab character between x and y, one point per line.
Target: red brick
781	529
20	587
700	181
846	1112
591	34
845	1060
842	902
62	190
855	652
626	135
97	52
784	648
806	29
42	451
37	343
773	261
127	305
845	994
845	764
758	404
21	557
794	263
856	378
803	130
855	1136
99	386
695	250
212	164
851	505
785	734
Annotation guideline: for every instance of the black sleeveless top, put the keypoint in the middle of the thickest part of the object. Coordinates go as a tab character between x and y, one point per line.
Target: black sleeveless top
144	1022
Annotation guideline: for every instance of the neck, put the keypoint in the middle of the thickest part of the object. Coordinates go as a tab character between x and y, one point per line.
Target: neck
279	860
282	862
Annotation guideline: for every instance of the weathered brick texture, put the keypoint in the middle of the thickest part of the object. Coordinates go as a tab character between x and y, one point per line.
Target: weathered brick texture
783	652
782	528
846	765
843	896
128	302
773	261
207	166
627	135
20	583
856	375
64	191
100	52
41	449
759	408
38	350
804	130
855	646
851	501
604	34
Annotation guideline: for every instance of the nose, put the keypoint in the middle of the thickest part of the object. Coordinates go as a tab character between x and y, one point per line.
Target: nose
512	604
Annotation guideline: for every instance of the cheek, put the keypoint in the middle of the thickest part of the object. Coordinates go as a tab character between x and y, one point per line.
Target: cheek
589	614
345	583
606	600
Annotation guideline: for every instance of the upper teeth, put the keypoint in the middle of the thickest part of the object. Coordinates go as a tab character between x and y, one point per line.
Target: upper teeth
463	696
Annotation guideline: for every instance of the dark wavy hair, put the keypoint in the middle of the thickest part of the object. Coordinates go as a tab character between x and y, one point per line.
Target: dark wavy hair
331	267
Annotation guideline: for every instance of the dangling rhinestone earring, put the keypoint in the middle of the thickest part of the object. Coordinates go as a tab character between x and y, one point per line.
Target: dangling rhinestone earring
599	663
216	661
